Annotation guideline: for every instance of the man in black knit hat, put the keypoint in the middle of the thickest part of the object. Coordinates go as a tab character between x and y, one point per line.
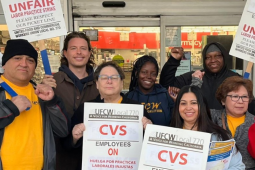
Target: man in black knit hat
28	120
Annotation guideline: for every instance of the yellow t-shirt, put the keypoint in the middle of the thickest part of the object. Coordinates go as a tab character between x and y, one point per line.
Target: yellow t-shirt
22	147
120	100
234	122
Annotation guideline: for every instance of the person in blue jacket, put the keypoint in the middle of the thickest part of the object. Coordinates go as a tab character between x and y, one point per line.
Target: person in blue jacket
143	88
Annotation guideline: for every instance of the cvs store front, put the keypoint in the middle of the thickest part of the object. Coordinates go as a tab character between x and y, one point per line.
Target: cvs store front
147	27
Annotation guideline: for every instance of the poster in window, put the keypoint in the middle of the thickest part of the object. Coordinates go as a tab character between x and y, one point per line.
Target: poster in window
92	34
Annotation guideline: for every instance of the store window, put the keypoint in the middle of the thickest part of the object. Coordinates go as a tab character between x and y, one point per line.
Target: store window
53	50
124	45
193	39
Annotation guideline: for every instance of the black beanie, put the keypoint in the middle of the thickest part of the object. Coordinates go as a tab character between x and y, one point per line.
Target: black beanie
19	47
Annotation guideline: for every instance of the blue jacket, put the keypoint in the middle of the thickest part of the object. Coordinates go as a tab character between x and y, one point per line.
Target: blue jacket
158	104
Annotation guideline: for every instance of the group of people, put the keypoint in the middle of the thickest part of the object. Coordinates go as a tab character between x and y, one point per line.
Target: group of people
214	100
47	118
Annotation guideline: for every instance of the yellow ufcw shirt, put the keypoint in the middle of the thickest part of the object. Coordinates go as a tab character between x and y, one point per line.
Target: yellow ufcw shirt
22	147
234	122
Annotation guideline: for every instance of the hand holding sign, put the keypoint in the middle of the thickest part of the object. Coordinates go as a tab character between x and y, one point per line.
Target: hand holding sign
48	79
77	132
145	121
21	102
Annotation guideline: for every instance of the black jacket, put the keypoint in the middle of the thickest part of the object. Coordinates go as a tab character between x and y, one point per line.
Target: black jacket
78	118
55	122
211	81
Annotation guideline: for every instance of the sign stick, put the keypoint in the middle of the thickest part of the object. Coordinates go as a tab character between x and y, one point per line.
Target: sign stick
45	60
248	70
9	90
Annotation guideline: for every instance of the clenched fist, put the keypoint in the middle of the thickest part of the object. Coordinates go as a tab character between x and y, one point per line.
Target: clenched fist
21	102
44	92
177	53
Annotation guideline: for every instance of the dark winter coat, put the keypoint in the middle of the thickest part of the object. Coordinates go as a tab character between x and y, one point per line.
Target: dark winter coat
73	92
211	81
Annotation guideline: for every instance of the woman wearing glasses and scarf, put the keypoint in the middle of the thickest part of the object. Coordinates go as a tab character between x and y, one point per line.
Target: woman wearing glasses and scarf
235	93
109	81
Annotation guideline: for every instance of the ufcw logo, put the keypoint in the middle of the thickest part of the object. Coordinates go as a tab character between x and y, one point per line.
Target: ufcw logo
104	111
151	106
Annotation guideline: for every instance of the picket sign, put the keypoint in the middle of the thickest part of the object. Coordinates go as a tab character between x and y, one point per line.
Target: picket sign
243	45
113	136
35	21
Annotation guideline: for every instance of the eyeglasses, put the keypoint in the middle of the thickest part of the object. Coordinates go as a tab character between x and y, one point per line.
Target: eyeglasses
106	78
235	98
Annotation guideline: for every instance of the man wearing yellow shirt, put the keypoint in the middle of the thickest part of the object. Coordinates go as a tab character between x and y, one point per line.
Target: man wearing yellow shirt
29	120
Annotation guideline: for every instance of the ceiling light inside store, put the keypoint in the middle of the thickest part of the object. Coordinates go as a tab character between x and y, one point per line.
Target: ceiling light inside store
114	4
157	29
209	29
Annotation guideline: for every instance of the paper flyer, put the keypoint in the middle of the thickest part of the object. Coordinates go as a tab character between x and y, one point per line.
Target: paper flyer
220	155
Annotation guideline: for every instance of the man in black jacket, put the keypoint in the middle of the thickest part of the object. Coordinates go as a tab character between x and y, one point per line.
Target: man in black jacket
30	118
215	71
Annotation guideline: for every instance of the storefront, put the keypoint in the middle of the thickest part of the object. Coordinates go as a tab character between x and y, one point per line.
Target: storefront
149	27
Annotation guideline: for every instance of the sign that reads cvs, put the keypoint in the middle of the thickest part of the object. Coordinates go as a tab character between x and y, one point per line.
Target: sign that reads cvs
112	130
165	157
98	130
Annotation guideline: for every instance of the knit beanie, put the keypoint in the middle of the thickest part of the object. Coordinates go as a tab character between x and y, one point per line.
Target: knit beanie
19	47
212	48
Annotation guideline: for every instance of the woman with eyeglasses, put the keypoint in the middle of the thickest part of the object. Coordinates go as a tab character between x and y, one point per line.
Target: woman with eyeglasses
143	88
235	93
109	81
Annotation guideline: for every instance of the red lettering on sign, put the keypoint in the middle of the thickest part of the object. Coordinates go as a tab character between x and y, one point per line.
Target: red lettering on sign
113	130
173	157
22	6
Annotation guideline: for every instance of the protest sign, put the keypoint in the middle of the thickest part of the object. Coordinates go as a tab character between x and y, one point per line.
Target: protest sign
113	136
35	20
243	45
173	148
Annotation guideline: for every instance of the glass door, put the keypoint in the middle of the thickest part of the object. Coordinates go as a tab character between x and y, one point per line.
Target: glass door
123	44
